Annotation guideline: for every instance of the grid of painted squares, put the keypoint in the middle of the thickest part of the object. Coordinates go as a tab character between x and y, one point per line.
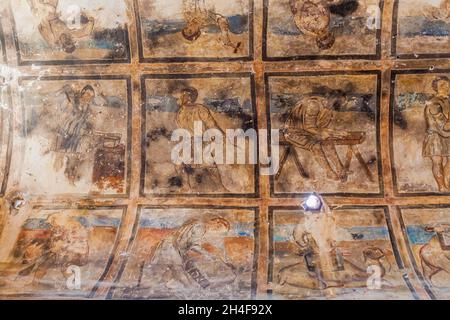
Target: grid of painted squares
212	252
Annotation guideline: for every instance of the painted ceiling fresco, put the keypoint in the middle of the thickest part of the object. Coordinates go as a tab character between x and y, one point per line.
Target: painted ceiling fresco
94	93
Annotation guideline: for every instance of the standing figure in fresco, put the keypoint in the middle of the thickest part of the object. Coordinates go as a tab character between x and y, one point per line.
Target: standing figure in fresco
68	244
73	133
54	30
181	261
435	255
190	112
199	16
313	18
436	145
307	127
441	12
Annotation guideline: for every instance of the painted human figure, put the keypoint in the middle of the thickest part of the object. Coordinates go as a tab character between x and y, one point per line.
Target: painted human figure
436	145
178	260
434	258
313	18
308	127
189	113
72	135
439	12
54	30
67	245
198	16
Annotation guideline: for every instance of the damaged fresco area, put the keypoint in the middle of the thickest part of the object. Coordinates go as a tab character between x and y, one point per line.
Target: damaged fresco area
75	133
191	253
420	113
184	30
54	244
329	133
335	255
61	31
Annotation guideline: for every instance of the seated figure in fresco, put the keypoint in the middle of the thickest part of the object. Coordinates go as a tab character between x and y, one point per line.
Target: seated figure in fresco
72	135
313	18
186	261
54	30
439	12
307	127
435	255
190	112
68	244
199	16
436	145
